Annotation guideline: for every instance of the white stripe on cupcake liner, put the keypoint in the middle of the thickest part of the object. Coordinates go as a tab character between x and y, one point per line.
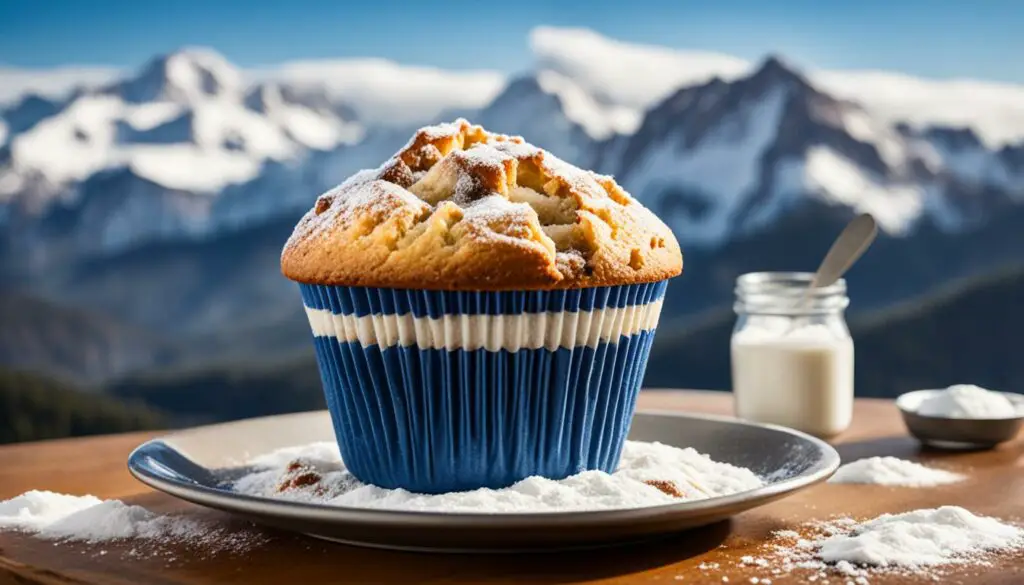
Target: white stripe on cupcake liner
490	332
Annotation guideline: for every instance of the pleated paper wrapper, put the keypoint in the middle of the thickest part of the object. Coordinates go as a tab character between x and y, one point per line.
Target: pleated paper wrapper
441	391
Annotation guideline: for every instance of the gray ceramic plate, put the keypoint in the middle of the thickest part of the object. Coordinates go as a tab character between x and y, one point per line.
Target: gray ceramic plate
196	463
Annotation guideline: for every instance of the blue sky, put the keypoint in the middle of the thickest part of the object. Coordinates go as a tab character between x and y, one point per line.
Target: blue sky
930	38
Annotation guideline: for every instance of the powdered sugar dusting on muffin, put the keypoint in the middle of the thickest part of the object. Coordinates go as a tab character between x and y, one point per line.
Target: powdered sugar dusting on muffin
486	154
520	150
498	219
439	131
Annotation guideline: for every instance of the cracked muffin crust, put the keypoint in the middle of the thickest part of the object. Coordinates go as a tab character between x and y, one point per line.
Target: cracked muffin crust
460	208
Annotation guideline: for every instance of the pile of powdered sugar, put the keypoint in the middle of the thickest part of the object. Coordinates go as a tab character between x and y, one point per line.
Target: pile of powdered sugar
939	536
968	401
88	519
649	474
922	543
893	471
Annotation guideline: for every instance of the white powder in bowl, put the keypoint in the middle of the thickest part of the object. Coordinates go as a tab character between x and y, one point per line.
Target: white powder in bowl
649	474
968	401
892	471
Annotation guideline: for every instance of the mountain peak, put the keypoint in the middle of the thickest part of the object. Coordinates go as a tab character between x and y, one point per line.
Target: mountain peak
185	75
775	70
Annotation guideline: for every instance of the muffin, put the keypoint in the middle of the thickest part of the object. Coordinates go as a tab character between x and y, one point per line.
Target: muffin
482	311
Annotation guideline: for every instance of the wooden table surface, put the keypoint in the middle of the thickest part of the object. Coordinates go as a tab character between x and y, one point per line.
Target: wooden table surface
97	466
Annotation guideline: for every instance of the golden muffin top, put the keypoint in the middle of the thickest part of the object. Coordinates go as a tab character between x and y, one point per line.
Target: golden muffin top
460	208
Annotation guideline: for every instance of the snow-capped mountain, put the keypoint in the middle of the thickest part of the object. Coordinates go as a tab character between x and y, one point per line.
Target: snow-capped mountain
145	157
184	122
725	158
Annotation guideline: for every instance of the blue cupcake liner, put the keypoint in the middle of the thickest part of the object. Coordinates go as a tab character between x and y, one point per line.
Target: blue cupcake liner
438	391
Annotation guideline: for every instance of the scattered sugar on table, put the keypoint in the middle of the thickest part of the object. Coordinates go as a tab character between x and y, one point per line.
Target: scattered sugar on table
892	471
925	542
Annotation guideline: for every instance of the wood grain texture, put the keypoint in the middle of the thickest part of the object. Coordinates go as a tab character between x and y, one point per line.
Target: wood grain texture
97	466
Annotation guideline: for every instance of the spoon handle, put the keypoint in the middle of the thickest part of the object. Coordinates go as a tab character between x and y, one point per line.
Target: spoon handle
847	248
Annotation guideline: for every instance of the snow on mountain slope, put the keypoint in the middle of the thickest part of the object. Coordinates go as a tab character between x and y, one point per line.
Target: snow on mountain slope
837	180
709	179
384	93
54	83
184	122
961	153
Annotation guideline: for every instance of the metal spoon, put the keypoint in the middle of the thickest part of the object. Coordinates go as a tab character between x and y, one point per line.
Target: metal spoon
848	247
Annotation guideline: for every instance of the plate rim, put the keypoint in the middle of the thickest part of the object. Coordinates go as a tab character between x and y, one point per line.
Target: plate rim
246	503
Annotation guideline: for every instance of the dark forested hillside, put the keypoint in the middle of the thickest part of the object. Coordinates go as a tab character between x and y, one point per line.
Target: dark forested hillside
969	332
229	391
33	408
80	346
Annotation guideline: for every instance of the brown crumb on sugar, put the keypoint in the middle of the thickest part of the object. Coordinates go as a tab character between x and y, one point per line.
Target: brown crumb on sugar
668	487
322	204
304	479
299	475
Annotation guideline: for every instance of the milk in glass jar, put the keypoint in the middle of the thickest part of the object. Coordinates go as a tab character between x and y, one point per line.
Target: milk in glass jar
792	356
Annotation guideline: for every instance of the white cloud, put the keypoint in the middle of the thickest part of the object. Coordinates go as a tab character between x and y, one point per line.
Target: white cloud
57	82
624	73
387	93
605	85
995	111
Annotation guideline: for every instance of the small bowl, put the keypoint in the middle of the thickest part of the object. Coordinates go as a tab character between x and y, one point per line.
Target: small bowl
958	433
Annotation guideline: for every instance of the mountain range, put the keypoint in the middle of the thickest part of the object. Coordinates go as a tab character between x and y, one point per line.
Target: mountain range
159	199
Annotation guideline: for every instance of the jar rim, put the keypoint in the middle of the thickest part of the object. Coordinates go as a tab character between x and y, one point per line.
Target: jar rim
780	293
786	284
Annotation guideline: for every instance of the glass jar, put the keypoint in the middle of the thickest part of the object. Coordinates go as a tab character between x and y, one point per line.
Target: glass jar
792	361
